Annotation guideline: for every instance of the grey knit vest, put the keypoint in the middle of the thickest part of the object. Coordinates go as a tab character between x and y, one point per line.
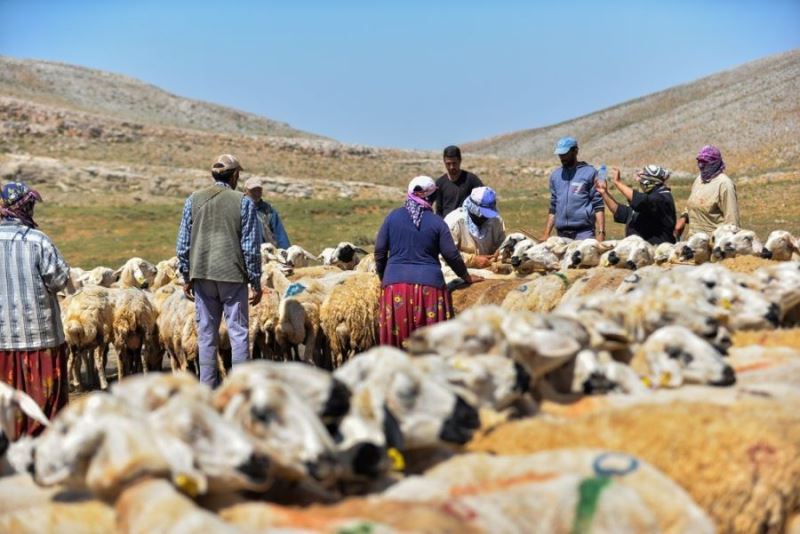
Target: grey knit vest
216	250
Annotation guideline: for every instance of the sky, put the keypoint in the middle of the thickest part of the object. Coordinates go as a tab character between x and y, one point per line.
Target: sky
412	74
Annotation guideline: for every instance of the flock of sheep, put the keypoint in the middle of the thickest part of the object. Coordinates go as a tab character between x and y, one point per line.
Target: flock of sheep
554	321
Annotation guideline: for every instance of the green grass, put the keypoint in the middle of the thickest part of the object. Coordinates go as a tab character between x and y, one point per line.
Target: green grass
110	234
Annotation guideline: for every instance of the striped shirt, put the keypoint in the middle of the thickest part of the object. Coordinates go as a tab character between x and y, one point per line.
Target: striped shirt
32	271
250	241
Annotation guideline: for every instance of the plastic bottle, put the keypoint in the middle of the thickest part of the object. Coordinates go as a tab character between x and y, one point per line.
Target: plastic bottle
602	173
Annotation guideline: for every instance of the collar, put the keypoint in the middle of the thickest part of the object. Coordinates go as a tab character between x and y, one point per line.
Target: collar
222	184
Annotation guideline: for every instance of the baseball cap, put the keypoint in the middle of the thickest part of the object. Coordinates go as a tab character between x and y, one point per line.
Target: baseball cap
485	200
254	182
422	183
564	145
226	162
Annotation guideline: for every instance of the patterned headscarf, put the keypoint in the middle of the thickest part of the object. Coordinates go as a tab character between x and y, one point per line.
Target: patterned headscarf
416	205
16	201
471	208
652	176
709	161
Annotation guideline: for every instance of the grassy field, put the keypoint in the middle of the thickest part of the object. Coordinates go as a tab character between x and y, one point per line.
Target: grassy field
102	234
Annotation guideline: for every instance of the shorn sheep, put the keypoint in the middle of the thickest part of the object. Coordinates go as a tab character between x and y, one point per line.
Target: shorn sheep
87	320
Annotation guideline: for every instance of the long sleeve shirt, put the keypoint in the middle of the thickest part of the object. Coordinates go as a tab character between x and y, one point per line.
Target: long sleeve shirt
32	271
250	240
651	216
275	224
407	254
494	232
712	204
573	197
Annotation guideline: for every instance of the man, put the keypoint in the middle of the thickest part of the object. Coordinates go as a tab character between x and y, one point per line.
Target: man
651	213
219	253
576	208
455	185
33	355
271	224
477	228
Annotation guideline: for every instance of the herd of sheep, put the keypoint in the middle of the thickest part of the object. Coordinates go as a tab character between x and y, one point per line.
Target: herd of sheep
372	437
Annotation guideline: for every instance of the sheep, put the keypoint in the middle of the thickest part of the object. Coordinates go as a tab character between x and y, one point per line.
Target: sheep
263	320
781	246
87	320
136	273
345	255
506	248
740	462
166	272
490	291
16	451
99	276
584	253
367	264
781	285
697	250
723	231
529	258
633	252
742	243
297	256
540	294
349	316
133	328
593	281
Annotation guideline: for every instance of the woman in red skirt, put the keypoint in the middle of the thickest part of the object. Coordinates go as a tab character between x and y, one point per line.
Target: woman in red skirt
33	356
407	253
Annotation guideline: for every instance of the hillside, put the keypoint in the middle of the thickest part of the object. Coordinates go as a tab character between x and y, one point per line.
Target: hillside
123	98
751	112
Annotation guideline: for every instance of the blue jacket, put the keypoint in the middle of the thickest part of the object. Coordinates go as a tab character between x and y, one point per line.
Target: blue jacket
275	224
573	198
413	254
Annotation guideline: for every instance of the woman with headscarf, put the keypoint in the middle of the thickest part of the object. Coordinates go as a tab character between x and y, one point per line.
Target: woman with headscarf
33	355
712	201
650	212
407	251
477	228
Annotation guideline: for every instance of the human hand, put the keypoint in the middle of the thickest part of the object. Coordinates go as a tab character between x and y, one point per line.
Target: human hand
255	296
474	278
481	262
601	186
616	176
188	291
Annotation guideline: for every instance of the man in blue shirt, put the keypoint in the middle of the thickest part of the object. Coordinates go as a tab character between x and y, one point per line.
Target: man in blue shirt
271	224
576	208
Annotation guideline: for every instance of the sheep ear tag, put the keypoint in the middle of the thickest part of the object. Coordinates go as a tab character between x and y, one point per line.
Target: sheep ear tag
138	275
397	459
187	485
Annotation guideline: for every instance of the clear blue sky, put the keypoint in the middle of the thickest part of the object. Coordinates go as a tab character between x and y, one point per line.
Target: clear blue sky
409	74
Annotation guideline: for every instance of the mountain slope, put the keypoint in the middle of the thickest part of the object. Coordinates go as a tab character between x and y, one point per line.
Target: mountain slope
751	112
127	99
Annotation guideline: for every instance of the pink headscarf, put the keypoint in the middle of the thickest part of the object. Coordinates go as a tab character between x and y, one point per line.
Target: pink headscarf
709	161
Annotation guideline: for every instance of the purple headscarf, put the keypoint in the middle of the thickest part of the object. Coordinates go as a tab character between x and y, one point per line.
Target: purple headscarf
16	202
415	206
709	161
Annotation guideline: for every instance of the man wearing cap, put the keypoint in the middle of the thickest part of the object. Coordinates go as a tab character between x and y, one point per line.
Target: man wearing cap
651	211
271	224
576	208
219	255
33	355
455	185
477	228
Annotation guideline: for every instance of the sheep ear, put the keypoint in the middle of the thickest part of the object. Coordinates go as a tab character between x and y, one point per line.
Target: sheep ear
361	250
309	255
116	274
30	408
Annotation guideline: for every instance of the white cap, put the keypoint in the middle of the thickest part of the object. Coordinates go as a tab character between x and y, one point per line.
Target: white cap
253	182
422	183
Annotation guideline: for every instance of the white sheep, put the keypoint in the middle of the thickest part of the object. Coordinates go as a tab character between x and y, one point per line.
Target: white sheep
87	320
345	255
136	272
742	243
781	246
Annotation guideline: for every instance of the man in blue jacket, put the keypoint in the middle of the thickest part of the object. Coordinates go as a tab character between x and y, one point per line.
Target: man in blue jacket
576	208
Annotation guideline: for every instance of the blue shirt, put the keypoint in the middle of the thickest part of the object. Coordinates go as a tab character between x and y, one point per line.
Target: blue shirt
573	197
413	253
250	242
275	224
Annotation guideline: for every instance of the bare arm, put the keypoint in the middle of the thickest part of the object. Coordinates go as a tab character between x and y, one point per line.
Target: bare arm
548	227
600	225
609	200
621	186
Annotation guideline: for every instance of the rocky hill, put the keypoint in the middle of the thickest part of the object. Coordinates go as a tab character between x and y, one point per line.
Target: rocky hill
123	98
751	112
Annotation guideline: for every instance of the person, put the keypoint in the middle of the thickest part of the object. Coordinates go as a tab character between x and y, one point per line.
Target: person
650	213
407	251
453	187
33	354
219	253
576	208
477	228
712	201
271	224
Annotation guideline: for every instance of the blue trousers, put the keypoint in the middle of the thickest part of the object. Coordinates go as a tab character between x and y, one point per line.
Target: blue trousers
212	300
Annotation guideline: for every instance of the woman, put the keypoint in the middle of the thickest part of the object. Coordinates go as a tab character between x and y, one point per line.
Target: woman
33	355
407	261
650	212
477	228
712	201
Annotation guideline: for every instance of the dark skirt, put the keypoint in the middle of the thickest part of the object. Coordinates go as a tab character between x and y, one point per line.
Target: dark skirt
42	374
406	307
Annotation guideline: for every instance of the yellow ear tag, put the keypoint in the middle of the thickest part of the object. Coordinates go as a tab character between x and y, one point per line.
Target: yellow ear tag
398	462
665	378
646	381
726	303
187	485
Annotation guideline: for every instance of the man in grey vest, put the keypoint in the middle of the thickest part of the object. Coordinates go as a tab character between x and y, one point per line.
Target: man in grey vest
219	254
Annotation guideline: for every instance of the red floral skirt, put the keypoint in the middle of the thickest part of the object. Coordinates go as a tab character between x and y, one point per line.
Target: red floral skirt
42	374
406	307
